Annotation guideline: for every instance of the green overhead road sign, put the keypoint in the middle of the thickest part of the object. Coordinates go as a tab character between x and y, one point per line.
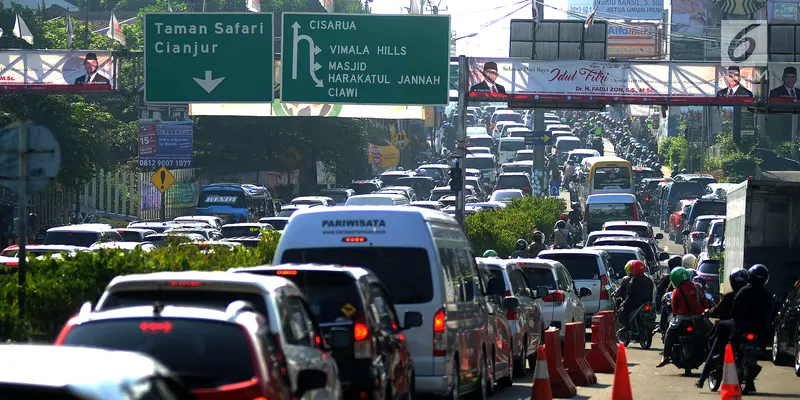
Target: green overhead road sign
365	59
208	57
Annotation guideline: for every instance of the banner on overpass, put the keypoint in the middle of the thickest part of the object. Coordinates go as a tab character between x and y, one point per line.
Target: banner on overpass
580	81
57	70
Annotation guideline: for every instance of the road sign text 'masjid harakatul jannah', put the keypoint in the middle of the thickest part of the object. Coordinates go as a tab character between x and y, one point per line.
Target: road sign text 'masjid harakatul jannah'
208	57
365	59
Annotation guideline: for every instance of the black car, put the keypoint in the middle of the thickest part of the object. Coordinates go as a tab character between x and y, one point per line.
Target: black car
786	337
354	299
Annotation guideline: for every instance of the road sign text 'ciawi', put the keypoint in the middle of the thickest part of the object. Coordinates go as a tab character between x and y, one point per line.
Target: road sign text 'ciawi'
208	57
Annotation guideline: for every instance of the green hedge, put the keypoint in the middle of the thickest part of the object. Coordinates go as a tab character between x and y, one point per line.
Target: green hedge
56	288
500	230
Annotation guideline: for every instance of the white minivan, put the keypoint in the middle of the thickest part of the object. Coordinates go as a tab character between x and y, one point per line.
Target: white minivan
426	262
377	200
508	147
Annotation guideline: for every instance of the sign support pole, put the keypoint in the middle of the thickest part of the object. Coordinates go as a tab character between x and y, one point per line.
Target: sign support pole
540	186
22	222
461	132
162	209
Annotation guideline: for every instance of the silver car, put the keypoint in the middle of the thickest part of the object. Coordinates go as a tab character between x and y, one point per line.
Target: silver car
526	320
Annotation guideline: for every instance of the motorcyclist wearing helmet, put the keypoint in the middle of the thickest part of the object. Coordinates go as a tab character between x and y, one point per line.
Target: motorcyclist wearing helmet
490	254
688	261
561	235
538	244
664	286
522	250
751	313
639	291
575	215
723	311
622	290
687	303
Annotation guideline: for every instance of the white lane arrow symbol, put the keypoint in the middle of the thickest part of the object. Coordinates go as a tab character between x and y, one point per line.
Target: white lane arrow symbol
313	50
208	84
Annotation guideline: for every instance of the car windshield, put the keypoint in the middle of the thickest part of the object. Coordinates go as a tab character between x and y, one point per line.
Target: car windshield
278	224
719	229
509	117
506	196
338	197
390	179
620	258
524	156
601	213
405	271
578	157
708	208
480	142
701	225
517	168
241	231
130	236
184	346
703	181
512	145
580	266
209	198
196	296
32	251
363	187
435	173
612	178
328	293
540	277
686	190
640	230
422	184
287	212
567	145
709	267
647	248
437	195
72	238
513	181
479	162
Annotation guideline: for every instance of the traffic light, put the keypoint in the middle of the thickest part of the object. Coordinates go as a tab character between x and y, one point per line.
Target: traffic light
456	178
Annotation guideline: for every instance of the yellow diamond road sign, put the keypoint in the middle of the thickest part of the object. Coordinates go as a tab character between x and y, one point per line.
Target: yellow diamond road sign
348	309
162	179
400	140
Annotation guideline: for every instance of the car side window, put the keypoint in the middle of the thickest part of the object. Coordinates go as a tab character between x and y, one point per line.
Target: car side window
453	285
518	284
466	268
381	308
563	279
297	326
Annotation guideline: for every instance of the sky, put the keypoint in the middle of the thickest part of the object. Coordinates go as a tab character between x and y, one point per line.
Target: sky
489	19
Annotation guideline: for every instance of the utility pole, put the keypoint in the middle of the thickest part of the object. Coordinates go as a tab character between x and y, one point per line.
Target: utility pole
540	186
86	25
461	133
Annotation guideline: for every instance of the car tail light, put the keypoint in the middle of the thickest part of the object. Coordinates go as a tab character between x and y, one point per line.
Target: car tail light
557	298
750	337
603	290
635	212
695	235
689	328
438	334
362	346
647	307
11	264
646	198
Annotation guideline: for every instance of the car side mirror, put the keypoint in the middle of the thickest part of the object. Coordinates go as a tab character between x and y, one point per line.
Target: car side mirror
542	292
495	287
686	232
339	338
663	256
310	379
510	303
584	292
659	236
412	319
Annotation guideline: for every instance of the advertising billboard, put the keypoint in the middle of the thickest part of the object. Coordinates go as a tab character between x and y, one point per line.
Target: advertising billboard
783	83
630	9
165	144
596	81
46	70
630	41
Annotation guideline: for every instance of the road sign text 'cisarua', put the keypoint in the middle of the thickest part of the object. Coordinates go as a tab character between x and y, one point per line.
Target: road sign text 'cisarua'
208	57
365	59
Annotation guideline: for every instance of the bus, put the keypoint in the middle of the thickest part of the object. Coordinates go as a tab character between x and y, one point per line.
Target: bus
235	202
603	175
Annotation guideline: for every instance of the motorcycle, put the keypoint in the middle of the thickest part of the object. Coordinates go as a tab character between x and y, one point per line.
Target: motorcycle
691	349
641	325
745	354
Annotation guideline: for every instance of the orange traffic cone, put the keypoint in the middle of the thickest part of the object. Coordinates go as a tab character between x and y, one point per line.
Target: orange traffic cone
541	379
730	390
621	389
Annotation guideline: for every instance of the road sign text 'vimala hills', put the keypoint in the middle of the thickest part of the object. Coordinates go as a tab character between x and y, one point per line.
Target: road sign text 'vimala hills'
208	57
365	59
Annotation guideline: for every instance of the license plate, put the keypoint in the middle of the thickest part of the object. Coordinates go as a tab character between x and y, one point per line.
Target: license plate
753	348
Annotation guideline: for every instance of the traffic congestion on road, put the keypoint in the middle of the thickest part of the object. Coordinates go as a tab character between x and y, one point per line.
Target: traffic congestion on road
375	291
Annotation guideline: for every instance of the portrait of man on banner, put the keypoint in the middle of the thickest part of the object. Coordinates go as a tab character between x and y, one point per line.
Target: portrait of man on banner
787	88
733	81
92	76
489	83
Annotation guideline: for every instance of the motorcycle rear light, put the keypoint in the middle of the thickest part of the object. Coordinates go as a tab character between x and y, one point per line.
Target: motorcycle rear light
689	329
750	337
695	235
439	344
708	278
647	307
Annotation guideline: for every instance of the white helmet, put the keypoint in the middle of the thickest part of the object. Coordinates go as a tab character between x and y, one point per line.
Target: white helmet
688	261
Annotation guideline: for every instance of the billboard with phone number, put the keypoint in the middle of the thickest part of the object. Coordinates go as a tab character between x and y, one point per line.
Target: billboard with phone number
165	144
